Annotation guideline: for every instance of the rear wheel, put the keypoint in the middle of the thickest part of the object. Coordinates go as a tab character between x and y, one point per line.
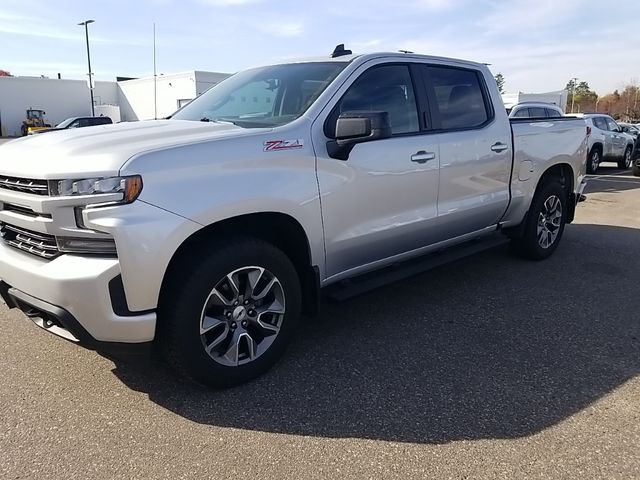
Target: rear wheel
595	157
544	224
625	162
636	168
232	315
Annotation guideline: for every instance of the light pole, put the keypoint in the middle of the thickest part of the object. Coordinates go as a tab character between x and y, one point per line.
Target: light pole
86	33
573	91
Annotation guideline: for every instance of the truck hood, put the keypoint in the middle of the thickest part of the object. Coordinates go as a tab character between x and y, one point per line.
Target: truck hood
103	149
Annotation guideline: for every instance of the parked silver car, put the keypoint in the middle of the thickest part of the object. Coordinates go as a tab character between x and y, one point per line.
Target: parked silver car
607	142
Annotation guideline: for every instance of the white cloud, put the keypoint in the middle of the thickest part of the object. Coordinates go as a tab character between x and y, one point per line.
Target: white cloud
229	3
434	4
285	28
527	17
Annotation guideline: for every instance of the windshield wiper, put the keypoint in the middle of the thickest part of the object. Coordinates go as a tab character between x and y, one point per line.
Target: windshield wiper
215	120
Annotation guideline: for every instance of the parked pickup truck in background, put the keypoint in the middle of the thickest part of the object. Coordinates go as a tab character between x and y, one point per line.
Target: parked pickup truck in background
210	233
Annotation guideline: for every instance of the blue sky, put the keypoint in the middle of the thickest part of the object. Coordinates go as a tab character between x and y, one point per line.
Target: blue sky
537	44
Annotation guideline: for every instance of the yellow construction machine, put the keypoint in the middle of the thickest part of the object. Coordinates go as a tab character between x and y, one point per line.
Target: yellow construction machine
35	121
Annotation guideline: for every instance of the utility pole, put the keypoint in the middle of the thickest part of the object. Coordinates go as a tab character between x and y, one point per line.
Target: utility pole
86	33
155	76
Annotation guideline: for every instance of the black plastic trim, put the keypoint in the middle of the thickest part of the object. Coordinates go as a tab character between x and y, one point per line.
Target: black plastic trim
119	299
34	307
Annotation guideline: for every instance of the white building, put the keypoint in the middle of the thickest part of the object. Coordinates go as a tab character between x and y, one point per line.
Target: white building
125	100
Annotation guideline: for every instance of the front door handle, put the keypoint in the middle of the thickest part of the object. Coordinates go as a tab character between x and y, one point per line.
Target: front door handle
499	147
422	156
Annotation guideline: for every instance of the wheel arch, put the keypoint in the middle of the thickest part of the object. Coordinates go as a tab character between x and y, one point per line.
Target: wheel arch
561	171
279	229
564	173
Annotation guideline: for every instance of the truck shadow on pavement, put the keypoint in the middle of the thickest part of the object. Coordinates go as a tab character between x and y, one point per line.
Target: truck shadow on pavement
488	347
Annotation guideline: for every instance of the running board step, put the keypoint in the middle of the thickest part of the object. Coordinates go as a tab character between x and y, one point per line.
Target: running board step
355	286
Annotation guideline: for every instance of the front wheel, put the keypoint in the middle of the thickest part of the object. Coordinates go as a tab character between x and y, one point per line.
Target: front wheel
636	168
545	223
625	162
231	317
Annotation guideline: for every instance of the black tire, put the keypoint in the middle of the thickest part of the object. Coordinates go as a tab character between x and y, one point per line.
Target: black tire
180	313
625	161
23	131
636	168
594	160
529	245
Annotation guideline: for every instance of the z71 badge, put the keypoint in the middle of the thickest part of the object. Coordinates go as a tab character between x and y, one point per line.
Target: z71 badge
275	145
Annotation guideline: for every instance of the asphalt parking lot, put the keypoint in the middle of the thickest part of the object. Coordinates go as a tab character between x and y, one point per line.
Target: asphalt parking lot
491	367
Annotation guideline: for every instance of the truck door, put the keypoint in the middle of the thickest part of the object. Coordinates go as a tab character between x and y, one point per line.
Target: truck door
382	200
475	150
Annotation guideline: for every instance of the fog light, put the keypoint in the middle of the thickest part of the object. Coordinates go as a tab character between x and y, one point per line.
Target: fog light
102	246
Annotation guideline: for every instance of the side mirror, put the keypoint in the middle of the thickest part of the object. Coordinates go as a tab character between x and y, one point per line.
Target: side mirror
357	127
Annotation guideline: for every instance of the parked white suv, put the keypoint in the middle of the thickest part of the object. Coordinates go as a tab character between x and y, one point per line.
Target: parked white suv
607	142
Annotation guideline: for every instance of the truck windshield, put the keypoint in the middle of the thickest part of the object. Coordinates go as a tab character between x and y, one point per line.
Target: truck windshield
263	97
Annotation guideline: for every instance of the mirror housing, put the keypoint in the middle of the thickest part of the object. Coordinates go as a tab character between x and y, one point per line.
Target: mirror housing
357	127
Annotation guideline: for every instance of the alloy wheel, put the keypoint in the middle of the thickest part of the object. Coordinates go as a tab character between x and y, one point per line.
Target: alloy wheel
242	316
549	221
595	161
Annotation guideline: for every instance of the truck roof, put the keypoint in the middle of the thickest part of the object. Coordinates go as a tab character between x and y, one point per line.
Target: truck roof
368	56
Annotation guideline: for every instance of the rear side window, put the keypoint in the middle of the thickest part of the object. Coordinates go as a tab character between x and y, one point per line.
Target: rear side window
537	112
551	113
522	113
386	88
459	96
600	123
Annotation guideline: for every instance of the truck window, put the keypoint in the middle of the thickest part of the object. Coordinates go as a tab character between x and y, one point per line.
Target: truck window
386	88
551	113
459	97
263	97
522	113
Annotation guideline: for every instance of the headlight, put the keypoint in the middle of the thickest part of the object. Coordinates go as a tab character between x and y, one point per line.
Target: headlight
129	187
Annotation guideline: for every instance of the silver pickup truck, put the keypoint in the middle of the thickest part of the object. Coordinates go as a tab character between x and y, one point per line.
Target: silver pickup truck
212	232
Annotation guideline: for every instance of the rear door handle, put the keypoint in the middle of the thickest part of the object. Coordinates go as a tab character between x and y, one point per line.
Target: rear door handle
422	156
499	147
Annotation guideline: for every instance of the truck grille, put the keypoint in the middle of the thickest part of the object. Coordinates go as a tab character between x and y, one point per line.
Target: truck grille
39	244
27	185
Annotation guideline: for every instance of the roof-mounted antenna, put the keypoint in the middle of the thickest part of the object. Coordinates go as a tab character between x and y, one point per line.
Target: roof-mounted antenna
339	51
405	51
